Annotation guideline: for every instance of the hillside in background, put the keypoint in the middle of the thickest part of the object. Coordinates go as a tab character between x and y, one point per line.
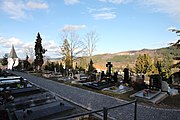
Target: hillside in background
122	59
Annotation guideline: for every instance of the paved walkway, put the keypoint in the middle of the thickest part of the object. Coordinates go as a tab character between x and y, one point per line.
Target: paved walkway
96	101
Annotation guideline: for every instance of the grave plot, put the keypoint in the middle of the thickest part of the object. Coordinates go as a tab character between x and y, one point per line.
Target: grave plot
124	85
154	92
13	82
82	78
45	111
105	81
51	74
120	89
147	93
38	106
99	85
4	74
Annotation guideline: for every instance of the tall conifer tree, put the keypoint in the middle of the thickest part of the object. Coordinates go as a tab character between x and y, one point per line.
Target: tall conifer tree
143	64
39	51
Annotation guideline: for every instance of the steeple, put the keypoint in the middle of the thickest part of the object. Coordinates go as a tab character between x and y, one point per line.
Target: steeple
13	53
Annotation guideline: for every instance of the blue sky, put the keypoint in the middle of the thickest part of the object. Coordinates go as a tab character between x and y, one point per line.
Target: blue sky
121	25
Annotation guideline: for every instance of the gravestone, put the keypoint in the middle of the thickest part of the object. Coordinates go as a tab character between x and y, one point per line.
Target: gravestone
176	78
102	75
109	66
155	81
115	77
126	76
165	86
174	81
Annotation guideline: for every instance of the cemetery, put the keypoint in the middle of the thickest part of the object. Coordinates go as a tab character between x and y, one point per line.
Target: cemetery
154	90
23	100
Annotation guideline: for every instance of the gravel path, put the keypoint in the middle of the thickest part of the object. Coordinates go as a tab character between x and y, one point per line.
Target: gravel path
96	101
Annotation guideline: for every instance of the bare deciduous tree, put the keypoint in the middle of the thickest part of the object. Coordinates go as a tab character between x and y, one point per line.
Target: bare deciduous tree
91	39
29	51
76	46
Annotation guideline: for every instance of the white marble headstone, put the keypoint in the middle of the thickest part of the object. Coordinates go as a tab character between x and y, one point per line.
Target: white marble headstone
164	86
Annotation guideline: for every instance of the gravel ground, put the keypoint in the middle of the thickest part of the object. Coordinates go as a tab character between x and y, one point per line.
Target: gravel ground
94	101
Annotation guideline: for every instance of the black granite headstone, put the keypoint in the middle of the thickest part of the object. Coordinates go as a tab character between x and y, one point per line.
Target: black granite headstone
109	66
115	77
155	81
126	75
102	75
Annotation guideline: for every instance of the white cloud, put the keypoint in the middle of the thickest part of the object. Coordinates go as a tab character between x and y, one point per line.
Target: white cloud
7	43
105	16
36	5
170	7
103	13
71	2
171	28
73	27
18	9
28	45
21	47
50	45
52	48
115	1
103	9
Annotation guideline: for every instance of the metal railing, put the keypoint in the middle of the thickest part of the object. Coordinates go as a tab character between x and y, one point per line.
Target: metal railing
104	111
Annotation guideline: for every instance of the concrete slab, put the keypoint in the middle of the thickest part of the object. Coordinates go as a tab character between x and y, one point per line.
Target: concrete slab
42	111
156	97
149	95
118	90
98	86
160	97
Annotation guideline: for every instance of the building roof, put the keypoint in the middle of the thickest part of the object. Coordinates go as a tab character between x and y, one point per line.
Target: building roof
13	53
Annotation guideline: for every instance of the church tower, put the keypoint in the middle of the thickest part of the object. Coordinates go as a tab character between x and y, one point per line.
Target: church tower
13	60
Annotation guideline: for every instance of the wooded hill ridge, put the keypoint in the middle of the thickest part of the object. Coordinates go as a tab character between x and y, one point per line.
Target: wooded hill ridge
122	59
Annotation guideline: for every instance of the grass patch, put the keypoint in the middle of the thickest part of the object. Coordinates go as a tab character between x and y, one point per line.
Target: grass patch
171	101
36	74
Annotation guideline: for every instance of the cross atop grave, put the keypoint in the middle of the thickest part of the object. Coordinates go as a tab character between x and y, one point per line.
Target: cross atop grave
109	66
